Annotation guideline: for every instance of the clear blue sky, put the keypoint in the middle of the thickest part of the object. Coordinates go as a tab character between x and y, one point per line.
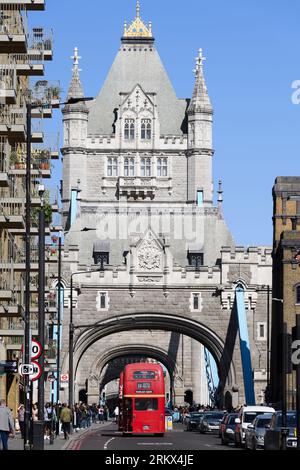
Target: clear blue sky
253	56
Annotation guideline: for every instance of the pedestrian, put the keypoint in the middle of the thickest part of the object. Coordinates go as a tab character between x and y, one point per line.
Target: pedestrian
21	419
66	417
6	424
116	413
101	414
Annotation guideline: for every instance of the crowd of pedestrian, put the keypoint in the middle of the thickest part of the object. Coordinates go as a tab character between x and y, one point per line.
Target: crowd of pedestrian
58	419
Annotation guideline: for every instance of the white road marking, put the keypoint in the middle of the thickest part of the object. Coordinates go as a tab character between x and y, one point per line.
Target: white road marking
155	443
106	444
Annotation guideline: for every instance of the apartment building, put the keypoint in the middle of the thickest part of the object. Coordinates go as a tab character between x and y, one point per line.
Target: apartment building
22	56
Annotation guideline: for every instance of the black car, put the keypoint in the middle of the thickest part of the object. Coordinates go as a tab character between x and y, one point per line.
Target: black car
211	421
228	427
193	420
273	436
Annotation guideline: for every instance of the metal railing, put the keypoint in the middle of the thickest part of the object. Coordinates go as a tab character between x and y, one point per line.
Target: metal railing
11	115
40	40
13	21
8	78
4	155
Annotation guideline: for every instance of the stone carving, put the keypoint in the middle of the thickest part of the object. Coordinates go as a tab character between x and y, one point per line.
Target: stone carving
239	272
93	380
149	255
149	280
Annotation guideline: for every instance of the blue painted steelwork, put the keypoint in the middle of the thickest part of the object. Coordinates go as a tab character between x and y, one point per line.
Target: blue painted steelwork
73	209
245	345
210	378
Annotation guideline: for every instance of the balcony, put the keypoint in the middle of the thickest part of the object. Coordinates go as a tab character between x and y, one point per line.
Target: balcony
40	162
45	94
17	257
41	42
29	66
36	5
11	214
11	292
11	327
13	30
4	162
8	84
137	187
13	123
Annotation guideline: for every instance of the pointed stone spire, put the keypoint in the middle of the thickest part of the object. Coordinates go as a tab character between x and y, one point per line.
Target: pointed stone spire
220	195
75	89
200	101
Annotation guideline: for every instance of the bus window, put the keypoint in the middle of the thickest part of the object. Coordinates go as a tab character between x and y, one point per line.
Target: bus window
144	375
146	404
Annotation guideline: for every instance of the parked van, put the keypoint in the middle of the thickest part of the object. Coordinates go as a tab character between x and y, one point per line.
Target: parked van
247	415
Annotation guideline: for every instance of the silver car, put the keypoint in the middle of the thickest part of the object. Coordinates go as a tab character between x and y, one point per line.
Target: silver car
255	433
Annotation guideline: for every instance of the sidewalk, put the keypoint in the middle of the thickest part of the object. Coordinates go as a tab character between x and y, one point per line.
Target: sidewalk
59	442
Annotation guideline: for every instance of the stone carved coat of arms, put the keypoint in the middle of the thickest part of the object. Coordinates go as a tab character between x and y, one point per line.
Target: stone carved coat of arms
149	255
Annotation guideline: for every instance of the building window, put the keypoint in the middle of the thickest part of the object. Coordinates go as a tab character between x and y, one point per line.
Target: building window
112	167
102	301
298	294
129	167
200	198
146	129
101	259
129	129
162	167
195	260
196	302
262	331
146	167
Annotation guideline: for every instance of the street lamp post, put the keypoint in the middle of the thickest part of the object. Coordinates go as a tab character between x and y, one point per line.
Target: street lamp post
27	353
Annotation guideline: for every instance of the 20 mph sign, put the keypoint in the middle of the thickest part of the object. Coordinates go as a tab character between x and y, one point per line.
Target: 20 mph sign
37	372
36	349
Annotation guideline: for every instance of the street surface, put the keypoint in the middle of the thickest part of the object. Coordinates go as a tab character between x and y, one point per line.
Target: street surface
108	438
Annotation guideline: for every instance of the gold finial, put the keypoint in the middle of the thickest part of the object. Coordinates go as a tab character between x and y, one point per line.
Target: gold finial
138	28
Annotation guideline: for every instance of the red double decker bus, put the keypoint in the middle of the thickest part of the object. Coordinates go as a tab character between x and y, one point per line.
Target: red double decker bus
143	404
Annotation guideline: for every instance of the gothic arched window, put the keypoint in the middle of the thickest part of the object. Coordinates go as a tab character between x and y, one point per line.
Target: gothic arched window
146	167
129	129
129	167
112	166
162	167
146	129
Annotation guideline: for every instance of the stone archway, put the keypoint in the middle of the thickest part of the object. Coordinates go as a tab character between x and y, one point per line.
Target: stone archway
167	322
132	350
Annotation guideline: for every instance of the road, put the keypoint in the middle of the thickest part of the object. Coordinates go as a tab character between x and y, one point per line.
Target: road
108	438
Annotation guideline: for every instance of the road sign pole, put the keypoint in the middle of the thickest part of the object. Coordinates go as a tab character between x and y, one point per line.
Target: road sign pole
41	307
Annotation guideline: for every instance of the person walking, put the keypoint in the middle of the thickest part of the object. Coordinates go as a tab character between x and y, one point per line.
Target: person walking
101	414
6	424
21	419
66	417
116	413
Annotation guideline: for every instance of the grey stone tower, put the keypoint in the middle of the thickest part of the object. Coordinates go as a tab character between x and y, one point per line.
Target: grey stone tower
200	151
138	172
